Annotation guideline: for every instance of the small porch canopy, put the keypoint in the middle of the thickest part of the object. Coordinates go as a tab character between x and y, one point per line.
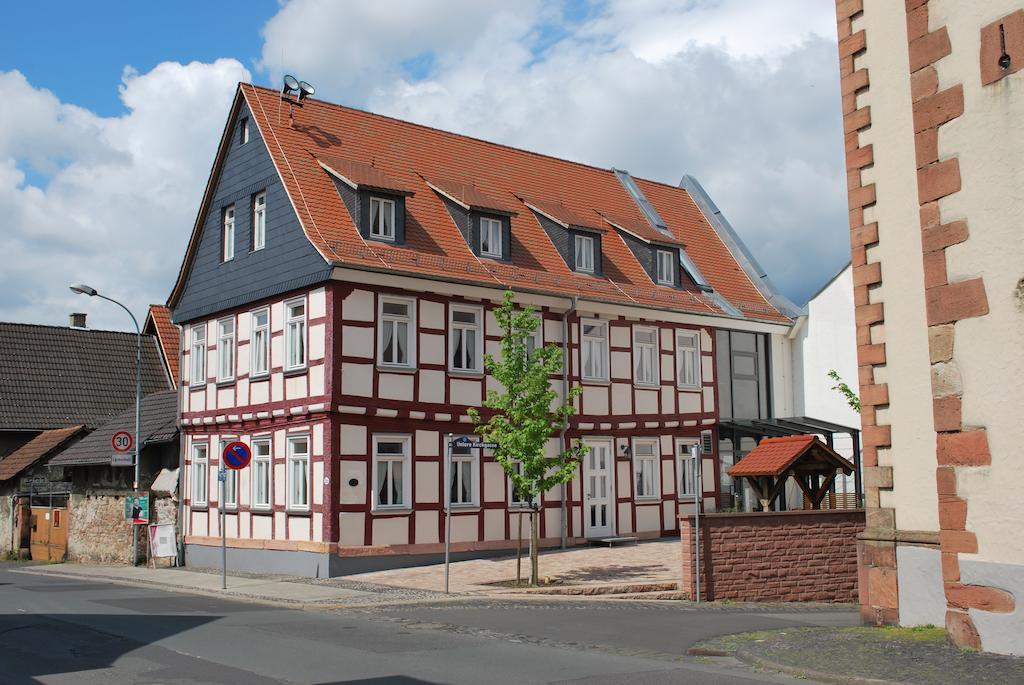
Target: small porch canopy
805	458
735	430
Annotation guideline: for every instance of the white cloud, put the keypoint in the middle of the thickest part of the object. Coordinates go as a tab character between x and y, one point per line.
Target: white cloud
742	95
121	193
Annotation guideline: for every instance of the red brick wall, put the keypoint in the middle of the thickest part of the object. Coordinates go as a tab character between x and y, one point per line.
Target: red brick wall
791	556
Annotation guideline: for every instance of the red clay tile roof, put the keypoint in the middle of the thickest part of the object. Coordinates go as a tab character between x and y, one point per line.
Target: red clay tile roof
360	175
35	449
469	196
558	212
409	153
773	456
167	336
640	229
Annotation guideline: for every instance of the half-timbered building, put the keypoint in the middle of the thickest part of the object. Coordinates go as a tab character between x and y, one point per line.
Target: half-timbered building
336	302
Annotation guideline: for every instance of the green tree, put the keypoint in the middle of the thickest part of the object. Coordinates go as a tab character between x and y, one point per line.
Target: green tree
524	413
843	389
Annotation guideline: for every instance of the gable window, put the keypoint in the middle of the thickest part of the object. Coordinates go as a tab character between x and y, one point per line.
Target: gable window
462	479
645	355
686	468
226	349
200	474
295	334
391	483
465	338
490	238
584	253
230	481
298	472
197	355
666	267
259	221
688	358
382	219
645	467
260	343
243	131
595	350
396	337
261	473
228	235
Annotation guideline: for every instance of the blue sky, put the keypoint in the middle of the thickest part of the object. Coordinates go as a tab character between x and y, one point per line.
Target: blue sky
112	111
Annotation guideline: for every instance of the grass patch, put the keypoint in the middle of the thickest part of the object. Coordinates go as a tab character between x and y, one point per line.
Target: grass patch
914	634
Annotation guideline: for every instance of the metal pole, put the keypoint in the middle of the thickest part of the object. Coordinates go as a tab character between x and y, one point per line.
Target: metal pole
138	412
223	477
447	511
697	487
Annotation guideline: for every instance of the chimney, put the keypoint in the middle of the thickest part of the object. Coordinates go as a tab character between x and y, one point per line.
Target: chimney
77	320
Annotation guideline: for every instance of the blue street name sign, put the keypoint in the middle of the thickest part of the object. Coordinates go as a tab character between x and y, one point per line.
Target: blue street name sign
466	442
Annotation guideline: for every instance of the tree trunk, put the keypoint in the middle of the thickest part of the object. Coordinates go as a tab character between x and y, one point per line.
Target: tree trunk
534	530
519	551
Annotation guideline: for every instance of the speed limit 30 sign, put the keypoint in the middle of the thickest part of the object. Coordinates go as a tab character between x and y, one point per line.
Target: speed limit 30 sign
122	441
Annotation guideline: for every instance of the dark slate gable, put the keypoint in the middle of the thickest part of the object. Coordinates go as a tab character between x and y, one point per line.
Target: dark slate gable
468	223
288	261
647	255
357	202
564	241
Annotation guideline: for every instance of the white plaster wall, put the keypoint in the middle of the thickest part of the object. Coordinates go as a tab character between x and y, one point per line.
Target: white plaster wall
907	371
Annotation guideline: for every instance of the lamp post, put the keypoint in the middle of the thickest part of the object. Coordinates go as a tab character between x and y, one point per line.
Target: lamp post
83	289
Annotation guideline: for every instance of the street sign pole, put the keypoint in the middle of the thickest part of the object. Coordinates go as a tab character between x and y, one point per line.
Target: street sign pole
447	511
223	477
697	487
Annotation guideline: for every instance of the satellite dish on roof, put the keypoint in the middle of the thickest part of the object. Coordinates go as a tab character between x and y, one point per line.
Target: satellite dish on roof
291	84
305	90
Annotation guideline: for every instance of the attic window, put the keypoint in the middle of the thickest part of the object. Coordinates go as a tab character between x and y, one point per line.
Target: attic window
584	247
382	219
243	131
490	238
666	270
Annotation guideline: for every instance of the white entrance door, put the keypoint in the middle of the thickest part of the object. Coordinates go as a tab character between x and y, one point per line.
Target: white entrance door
598	490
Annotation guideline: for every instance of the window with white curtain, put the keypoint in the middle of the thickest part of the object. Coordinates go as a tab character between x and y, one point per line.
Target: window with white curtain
391	482
295	334
298	472
645	468
595	350
645	355
382	218
490	237
396	337
584	245
686	468
462	479
230	481
666	267
688	358
466	339
197	355
259	221
261	474
260	343
228	234
226	349
200	474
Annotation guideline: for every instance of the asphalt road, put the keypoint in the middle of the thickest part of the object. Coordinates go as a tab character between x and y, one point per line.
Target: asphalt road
64	631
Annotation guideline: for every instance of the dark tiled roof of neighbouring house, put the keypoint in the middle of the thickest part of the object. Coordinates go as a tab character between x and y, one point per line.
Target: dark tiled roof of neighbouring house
483	174
54	377
35	449
158	323
773	456
159	424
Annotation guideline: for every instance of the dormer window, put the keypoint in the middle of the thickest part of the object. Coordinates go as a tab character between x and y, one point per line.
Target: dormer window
490	238
382	219
584	251
666	267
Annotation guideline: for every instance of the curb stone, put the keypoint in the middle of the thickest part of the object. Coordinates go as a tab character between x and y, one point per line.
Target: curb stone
837	679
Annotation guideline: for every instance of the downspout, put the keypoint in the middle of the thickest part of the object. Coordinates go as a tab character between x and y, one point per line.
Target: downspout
181	449
565	394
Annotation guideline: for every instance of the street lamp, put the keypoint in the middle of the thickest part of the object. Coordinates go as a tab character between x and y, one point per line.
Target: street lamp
82	289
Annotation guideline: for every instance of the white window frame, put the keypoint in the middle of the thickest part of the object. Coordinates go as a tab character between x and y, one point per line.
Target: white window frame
243	132
536	339
268	461
462	460
226	350
404	459
197	355
681	358
513	503
292	457
394	319
584	241
291	322
650	377
588	343
230	481
387	207
454	325
654	490
259	337
493	229
200	481
685	461
228	234
259	221
665	271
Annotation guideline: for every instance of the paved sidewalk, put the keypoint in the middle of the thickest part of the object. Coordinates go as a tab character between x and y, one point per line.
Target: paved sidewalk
862	656
628	568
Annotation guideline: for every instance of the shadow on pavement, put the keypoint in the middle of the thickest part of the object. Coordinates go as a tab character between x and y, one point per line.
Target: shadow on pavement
383	680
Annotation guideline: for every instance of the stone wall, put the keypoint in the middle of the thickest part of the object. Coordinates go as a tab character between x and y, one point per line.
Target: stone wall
5	524
788	556
98	532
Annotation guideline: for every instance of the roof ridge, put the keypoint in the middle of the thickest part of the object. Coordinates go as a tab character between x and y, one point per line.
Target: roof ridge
469	137
68	328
